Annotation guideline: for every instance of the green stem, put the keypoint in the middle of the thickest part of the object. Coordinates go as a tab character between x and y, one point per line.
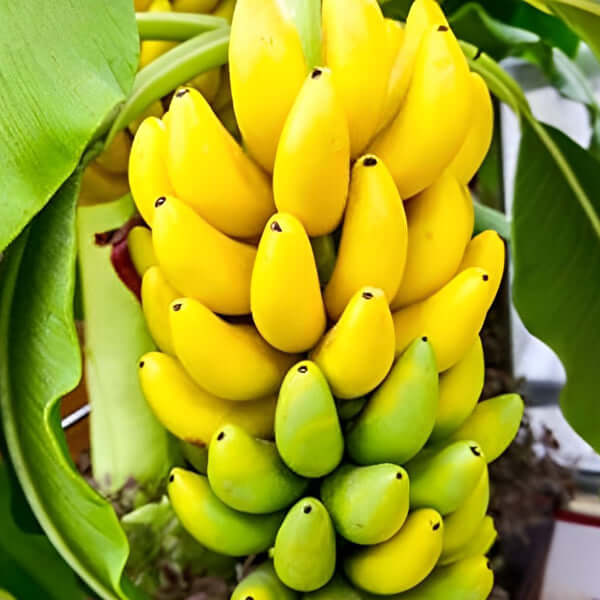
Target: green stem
490	218
197	55
176	27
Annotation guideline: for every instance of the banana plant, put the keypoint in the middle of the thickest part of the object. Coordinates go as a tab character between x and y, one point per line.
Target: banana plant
51	132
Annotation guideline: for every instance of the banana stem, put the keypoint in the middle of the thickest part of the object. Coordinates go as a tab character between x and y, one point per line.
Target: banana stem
190	58
490	218
176	27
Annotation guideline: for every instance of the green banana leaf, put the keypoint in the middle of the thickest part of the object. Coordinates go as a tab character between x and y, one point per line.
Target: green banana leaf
30	567
556	248
39	363
65	67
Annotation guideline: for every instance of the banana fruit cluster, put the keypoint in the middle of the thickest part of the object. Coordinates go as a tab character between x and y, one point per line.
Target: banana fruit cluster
316	298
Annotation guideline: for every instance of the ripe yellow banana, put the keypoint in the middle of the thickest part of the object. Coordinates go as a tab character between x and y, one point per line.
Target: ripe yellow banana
263	584
211	173
267	68
215	525
493	424
423	15
141	250
285	294
394	31
150	49
410	146
469	579
98	185
374	237
463	524
450	319
148	177
358	352
403	561
486	251
154	110
225	9
310	178
228	360
355	49
440	225
115	157
157	296
192	414
194	6
479	136
200	261
460	389
208	83
479	544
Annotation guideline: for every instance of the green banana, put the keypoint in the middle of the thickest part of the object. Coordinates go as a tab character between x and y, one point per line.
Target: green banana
462	524
400	415
493	424
215	525
444	479
479	544
304	554
348	409
247	474
403	561
307	429
263	584
337	589
368	505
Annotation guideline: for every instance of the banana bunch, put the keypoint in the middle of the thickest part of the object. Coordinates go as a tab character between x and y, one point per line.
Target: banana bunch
316	297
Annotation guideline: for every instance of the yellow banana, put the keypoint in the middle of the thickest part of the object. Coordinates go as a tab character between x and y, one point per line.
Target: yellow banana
263	584
115	157
154	110
194	6
463	524
410	146
394	31
403	561
215	525
479	544
469	579
423	15
357	353
148	177
451	318
151	49
493	424
374	237
199	260
225	9
157	296
211	173
440	225
98	185
228	360
460	388
355	49
139	242
479	136
285	294
192	414
208	83
267	68
310	178
486	251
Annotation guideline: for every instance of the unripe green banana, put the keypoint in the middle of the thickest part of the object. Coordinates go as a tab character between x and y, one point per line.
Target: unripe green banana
444	479
469	579
460	388
307	429
304	554
403	561
400	415
479	544
263	584
462	524
493	424
247	474
213	523
337	589
356	354
368	505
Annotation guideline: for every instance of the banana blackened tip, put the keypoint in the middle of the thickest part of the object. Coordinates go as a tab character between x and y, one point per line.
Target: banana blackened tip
475	450
370	161
303	369
307	509
182	92
141	364
177	307
442	28
160	201
275	226
485	277
436	526
367	295
171	478
316	73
